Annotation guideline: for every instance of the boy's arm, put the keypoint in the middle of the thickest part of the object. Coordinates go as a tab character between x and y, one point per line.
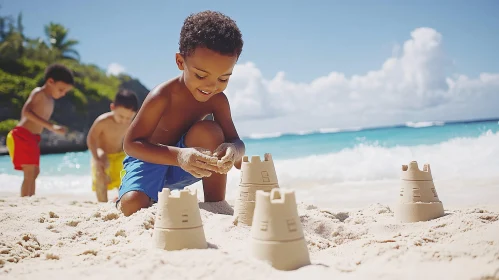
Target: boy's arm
222	115
93	136
27	111
136	142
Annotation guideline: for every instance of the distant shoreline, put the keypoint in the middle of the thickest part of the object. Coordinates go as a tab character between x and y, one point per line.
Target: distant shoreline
409	125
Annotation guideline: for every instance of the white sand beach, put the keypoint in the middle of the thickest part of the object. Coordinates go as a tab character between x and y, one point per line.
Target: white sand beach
73	237
345	96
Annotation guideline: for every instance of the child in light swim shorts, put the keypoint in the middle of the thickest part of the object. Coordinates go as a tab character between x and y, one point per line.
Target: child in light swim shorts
105	142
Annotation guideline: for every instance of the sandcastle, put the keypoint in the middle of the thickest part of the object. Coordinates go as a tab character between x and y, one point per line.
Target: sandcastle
255	175
277	234
178	222
418	199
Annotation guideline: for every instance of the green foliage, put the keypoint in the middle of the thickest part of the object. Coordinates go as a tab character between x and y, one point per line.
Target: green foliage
23	61
7	125
14	90
32	68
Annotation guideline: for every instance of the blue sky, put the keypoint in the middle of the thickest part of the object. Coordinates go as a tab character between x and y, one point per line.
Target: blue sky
307	65
306	39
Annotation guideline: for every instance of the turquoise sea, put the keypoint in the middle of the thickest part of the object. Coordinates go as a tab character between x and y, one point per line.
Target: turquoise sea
326	157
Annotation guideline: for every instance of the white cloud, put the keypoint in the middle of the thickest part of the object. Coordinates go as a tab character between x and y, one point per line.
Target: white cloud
115	69
412	85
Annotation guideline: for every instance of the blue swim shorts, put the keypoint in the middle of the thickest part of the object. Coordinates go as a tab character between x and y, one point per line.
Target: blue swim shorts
150	178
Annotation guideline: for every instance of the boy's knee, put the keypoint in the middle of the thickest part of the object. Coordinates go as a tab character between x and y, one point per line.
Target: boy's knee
205	134
30	171
133	201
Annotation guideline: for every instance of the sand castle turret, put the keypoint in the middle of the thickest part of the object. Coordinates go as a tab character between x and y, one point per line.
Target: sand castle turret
418	200
178	222
277	234
255	175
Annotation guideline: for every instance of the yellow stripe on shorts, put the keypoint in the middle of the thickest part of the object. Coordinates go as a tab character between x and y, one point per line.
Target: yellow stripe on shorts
10	145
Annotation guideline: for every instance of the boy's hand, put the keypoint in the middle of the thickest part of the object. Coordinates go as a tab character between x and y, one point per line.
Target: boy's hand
101	161
197	161
59	129
228	154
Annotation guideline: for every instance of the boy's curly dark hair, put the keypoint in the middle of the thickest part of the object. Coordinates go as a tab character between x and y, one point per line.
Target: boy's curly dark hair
59	72
212	30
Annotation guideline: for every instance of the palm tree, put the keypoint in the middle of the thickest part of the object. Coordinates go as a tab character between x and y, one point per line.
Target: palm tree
57	35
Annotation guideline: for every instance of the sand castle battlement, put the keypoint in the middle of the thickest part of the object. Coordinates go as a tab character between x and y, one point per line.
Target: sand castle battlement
412	172
257	159
183	195
254	171
276	216
177	210
278	198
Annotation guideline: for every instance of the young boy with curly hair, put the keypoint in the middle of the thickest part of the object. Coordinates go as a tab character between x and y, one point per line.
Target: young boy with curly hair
23	142
169	144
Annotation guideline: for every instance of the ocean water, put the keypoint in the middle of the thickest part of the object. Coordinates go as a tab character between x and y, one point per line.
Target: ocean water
318	161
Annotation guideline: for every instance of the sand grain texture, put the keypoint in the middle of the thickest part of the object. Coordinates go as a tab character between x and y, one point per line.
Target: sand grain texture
60	237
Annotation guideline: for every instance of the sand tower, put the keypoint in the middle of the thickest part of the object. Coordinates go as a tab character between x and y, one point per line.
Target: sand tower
276	234
418	199
255	175
178	222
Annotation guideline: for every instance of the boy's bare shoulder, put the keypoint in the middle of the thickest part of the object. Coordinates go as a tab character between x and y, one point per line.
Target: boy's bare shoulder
164	90
37	93
220	101
104	119
38	101
36	90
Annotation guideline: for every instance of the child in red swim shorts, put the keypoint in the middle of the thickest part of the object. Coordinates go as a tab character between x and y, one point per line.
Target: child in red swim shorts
23	141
